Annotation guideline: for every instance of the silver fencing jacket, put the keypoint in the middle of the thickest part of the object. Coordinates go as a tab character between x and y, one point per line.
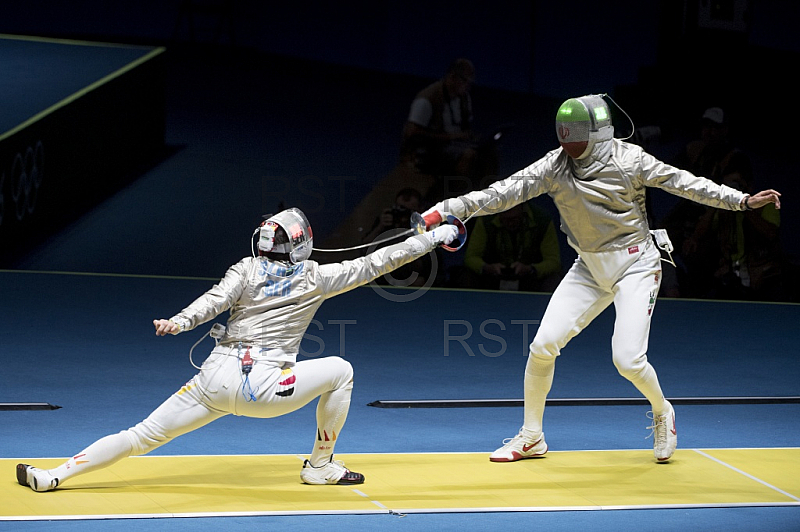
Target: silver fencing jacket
271	304
601	200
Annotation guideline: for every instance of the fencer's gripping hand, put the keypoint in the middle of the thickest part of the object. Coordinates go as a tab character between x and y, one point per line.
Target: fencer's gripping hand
165	327
444	234
432	218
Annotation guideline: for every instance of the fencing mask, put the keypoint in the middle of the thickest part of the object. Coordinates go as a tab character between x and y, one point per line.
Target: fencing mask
581	123
287	232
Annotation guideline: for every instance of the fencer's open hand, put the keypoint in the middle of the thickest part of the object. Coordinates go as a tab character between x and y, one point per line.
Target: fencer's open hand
165	327
444	234
756	201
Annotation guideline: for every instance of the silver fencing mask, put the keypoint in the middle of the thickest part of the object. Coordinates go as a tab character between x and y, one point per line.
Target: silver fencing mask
296	240
581	123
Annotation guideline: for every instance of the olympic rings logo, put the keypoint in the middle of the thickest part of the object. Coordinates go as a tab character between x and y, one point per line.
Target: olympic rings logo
27	172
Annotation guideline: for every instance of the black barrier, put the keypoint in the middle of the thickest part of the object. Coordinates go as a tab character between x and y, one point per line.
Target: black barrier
60	163
28	406
607	401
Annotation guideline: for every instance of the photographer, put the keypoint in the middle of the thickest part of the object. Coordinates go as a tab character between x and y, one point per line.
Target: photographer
396	219
439	137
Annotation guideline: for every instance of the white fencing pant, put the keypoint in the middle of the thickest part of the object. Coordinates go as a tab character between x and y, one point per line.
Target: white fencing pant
220	389
630	278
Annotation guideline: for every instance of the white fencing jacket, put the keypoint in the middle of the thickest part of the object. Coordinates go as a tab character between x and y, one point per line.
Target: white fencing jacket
271	304
601	200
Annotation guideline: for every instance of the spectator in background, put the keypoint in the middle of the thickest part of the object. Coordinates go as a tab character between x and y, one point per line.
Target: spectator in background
696	254
714	154
395	220
747	257
438	137
516	249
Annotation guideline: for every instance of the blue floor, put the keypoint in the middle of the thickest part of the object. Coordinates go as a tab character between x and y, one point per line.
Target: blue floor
728	519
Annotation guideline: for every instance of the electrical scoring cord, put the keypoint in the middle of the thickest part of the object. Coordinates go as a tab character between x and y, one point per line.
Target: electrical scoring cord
247	366
216	332
370	244
633	126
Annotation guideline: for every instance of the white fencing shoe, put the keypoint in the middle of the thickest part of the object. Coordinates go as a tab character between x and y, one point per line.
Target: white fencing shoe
518	448
330	473
35	478
665	435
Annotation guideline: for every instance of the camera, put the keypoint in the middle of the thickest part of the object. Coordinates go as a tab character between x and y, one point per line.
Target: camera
401	216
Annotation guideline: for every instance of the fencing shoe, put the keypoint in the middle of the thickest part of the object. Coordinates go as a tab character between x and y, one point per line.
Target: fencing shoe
665	436
35	478
333	472
518	448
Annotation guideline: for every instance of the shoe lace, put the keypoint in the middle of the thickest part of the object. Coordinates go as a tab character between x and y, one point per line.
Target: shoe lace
515	439
334	464
658	429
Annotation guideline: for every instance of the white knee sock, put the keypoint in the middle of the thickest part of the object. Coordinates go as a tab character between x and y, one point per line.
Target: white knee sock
646	381
98	455
332	412
538	381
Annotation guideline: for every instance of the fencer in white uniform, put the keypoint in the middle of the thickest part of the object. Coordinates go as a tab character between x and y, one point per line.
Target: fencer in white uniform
253	371
598	185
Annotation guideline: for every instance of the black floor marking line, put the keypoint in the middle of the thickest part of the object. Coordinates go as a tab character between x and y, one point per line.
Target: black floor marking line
28	406
600	401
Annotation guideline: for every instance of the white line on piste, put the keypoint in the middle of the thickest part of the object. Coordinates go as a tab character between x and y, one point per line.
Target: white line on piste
748	475
376	503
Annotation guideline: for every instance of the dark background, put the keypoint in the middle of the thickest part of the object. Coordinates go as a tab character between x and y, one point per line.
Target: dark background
304	103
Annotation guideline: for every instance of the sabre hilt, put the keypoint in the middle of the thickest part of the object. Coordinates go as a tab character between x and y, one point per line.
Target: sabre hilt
462	233
417	223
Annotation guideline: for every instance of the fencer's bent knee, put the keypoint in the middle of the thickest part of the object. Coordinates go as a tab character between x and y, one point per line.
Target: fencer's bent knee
544	349
630	366
344	371
539	364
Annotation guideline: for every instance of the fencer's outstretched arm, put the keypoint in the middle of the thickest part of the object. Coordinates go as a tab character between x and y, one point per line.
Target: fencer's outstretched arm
532	181
340	277
307	280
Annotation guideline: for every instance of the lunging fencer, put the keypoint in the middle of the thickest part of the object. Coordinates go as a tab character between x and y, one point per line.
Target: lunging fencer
253	371
598	184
